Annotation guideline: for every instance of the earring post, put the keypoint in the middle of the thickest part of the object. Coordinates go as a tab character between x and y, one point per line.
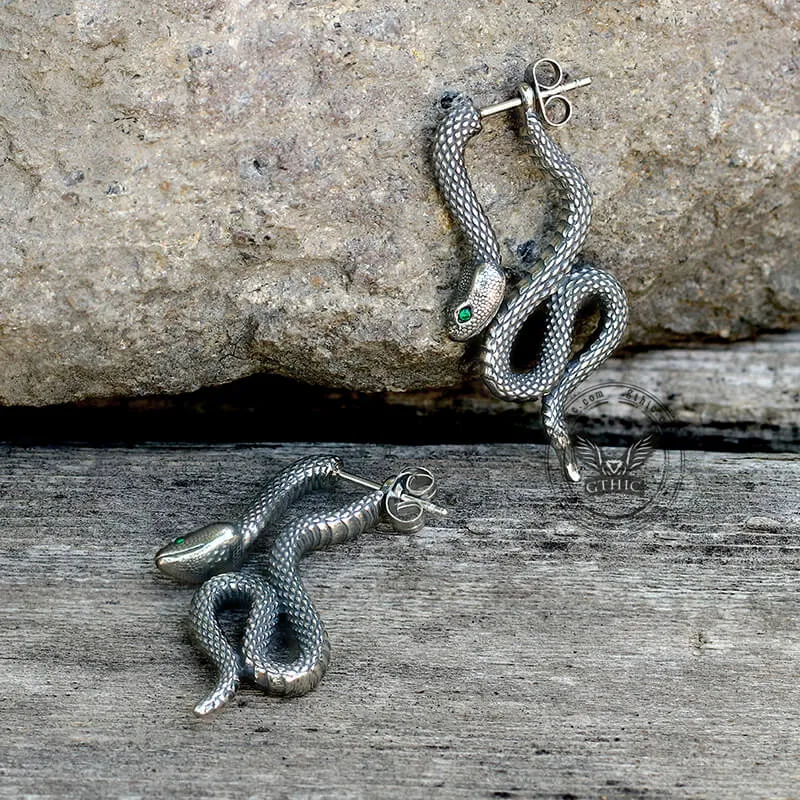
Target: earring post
514	102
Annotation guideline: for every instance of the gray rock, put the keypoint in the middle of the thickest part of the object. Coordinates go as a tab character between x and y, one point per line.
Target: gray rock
196	190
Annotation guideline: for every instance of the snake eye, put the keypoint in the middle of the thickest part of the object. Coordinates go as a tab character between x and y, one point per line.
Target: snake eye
464	314
179	540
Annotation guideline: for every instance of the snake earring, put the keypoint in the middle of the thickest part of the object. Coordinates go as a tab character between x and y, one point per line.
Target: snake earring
484	304
213	554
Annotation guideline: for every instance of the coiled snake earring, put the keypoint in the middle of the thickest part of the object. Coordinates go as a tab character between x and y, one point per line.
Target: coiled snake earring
212	555
484	304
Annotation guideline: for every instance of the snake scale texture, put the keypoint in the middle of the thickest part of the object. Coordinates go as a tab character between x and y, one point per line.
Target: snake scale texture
212	554
482	302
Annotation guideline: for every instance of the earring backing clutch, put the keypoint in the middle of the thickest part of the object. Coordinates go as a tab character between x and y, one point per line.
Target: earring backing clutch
483	302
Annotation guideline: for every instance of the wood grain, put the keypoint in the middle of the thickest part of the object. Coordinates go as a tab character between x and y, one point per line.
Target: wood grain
722	396
508	651
742	396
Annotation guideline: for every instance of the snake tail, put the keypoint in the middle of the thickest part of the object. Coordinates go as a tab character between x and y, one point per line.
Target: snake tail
216	594
585	283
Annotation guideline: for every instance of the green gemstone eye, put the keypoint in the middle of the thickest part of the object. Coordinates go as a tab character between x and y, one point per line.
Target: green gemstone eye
465	314
180	540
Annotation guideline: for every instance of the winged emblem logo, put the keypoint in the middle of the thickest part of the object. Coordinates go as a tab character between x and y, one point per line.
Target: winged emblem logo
615	475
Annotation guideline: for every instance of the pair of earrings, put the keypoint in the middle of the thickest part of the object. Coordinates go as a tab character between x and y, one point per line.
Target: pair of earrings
212	555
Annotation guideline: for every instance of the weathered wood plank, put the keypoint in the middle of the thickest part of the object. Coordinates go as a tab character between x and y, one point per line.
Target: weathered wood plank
743	394
505	652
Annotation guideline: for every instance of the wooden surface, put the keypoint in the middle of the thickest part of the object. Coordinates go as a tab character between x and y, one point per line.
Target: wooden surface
741	396
744	395
505	652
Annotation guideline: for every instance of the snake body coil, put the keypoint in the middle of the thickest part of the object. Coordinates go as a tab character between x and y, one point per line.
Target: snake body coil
224	546
212	554
482	302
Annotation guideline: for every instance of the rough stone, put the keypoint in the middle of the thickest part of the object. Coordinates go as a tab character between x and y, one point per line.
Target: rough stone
196	190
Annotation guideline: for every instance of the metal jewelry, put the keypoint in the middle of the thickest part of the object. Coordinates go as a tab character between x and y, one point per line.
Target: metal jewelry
482	302
211	555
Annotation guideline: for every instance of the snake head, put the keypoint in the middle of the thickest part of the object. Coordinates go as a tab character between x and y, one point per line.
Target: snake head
205	552
483	290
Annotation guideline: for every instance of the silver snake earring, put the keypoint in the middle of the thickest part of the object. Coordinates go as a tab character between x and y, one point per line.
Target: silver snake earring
483	304
214	552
